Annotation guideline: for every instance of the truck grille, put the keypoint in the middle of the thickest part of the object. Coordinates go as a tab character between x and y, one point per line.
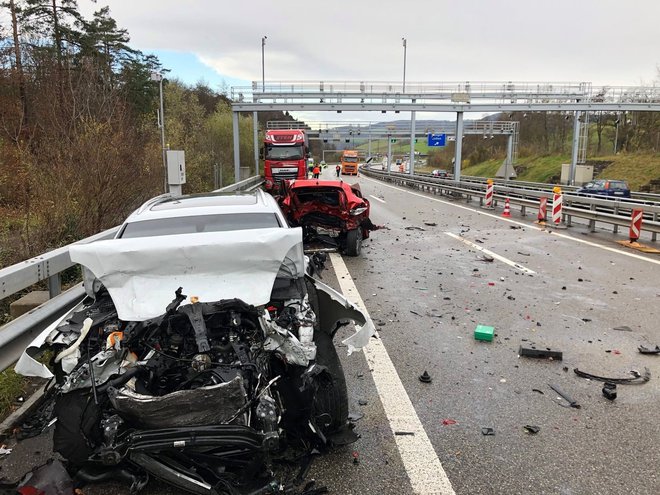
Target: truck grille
283	138
280	176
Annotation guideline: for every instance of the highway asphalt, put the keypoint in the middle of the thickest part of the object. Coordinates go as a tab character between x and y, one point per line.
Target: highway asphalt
426	291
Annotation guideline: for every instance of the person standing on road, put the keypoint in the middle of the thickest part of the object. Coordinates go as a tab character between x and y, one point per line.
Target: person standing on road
316	172
338	169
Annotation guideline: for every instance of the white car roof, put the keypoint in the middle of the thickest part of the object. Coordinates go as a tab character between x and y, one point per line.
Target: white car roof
214	203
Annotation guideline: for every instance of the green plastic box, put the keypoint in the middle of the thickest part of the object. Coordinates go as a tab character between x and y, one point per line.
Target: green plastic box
483	332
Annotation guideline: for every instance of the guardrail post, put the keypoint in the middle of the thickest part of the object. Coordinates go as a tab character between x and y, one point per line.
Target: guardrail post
592	222
237	149
654	236
54	285
616	227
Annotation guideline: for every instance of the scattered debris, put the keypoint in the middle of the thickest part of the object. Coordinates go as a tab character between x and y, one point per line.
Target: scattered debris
404	433
447	422
540	353
646	350
609	391
415	312
586	320
425	377
4	450
571	402
356	457
487	258
539	391
623	328
483	332
487	431
412	227
532	429
637	378
430	224
362	402
355	416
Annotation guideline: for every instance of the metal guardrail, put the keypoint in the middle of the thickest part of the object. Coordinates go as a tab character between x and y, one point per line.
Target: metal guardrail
18	333
635	196
574	206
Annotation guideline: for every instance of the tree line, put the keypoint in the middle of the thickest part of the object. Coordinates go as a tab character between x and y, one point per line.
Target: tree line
79	139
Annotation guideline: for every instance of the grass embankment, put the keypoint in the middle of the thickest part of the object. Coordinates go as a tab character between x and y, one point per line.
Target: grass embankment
636	169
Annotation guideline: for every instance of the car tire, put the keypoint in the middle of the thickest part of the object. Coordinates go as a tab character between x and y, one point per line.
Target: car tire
353	242
331	398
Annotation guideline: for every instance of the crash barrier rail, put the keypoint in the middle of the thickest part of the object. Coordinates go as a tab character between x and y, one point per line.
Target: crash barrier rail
635	196
18	333
617	212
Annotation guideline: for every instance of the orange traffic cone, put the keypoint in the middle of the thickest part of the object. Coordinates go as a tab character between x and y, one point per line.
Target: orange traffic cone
507	208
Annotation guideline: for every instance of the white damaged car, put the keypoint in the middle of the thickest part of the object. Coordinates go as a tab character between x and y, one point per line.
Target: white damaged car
203	354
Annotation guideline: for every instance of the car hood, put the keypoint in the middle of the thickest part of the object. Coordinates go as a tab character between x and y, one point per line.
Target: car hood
142	274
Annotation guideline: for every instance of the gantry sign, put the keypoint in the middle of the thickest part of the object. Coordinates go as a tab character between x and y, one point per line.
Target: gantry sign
458	97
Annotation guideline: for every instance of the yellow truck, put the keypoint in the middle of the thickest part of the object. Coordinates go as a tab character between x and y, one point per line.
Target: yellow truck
349	162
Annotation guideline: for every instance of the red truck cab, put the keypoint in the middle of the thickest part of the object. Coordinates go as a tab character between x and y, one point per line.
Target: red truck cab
285	157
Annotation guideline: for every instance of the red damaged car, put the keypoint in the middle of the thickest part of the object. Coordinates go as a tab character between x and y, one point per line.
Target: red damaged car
331	213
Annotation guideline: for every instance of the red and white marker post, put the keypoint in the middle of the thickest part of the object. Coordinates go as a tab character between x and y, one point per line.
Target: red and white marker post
507	208
488	200
636	224
557	200
543	210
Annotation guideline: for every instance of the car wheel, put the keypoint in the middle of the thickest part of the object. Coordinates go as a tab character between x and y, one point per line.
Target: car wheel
331	398
353	242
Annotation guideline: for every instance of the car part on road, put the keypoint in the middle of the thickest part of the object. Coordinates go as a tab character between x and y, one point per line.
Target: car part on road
623	328
448	422
540	353
609	391
647	350
533	430
636	379
425	377
487	431
571	402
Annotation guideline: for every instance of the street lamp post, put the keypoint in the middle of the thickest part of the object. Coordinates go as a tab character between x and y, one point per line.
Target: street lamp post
405	46
263	71
157	76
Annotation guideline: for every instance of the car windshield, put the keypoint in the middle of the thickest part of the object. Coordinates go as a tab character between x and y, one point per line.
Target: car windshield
294	152
200	223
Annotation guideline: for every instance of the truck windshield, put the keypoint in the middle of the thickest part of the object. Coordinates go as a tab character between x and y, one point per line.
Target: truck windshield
350	159
294	152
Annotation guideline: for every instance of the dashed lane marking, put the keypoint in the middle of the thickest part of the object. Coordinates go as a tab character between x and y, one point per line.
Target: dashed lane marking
509	262
426	474
526	225
378	199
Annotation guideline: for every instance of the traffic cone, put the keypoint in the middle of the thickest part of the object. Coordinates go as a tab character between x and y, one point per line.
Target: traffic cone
507	208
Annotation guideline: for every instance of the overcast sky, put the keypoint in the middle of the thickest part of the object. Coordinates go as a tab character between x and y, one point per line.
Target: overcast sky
609	42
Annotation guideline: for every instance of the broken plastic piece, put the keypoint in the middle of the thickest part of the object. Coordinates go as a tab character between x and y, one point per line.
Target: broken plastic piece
646	350
425	377
571	402
356	457
532	429
637	378
447	422
487	431
540	353
609	391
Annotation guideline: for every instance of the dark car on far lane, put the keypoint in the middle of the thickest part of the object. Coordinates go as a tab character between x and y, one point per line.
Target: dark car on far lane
604	187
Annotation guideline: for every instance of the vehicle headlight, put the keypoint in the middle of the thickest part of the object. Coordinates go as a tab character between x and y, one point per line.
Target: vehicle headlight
359	210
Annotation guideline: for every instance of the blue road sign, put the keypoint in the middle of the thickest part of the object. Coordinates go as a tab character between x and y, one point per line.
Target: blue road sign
436	140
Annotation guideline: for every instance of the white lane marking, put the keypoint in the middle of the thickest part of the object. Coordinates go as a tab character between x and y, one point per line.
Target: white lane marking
526	225
426	474
494	255
377	199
